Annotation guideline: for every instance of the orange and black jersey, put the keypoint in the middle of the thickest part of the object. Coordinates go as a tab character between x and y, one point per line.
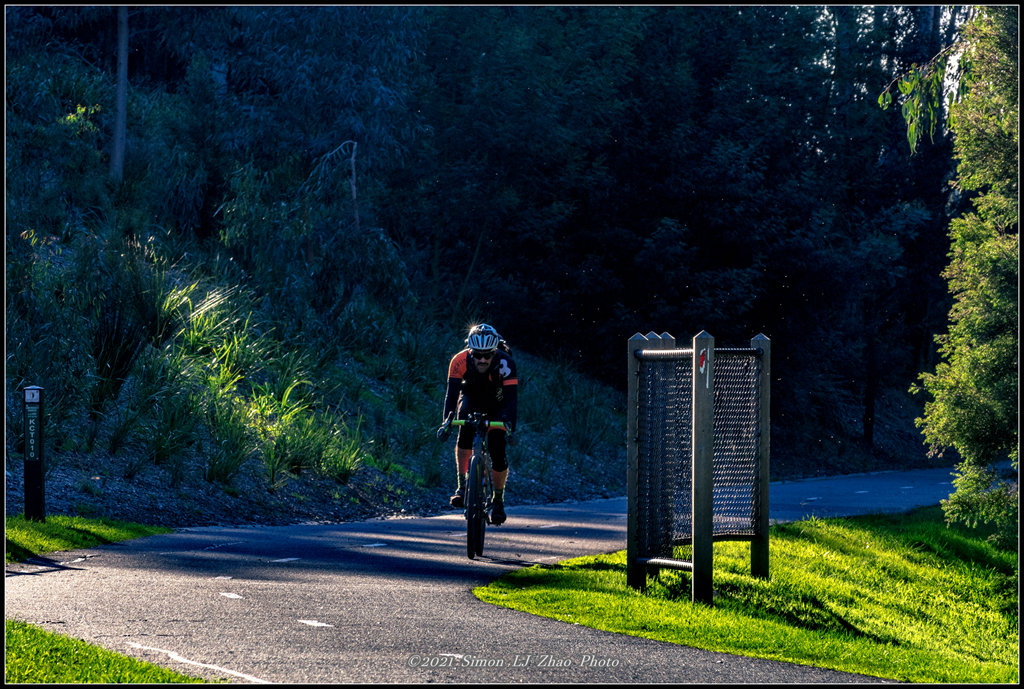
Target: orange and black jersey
493	392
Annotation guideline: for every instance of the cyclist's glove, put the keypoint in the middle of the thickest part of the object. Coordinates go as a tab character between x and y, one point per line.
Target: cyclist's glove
510	435
443	432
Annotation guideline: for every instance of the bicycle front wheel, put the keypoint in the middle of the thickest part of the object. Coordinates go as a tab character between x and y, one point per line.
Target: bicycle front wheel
476	515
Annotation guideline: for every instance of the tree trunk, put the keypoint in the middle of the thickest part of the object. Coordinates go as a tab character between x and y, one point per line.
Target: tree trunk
121	108
870	391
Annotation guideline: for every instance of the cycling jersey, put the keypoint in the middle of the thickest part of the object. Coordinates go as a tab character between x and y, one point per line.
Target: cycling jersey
493	392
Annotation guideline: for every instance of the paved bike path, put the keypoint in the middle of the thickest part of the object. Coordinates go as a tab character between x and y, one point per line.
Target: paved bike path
391	600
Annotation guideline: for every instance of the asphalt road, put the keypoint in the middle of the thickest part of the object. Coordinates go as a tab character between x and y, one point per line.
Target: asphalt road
391	600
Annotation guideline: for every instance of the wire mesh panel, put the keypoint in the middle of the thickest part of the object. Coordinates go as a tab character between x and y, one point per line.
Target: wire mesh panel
664	446
664	454
737	434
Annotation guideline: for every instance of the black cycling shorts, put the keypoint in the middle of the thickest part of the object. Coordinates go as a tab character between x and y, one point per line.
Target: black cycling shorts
495	443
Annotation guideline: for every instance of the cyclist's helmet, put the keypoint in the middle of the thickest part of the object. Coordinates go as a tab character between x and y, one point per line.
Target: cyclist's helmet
483	338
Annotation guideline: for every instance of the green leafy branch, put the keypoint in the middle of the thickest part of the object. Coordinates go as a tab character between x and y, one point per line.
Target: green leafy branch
922	89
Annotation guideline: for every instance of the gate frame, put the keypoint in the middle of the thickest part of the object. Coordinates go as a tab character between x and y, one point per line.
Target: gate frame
639	565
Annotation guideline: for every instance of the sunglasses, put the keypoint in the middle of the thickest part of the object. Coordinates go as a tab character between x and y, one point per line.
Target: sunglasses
483	356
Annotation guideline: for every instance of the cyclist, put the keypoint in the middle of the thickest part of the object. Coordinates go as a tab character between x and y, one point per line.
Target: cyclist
482	378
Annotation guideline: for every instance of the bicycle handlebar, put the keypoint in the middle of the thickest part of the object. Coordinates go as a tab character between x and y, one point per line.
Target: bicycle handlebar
442	432
490	424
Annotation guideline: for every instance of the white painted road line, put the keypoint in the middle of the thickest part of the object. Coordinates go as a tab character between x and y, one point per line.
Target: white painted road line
314	623
223	545
174	656
230	595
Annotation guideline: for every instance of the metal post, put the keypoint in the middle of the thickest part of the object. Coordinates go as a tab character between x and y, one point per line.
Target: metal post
662	481
703	463
635	571
759	544
35	496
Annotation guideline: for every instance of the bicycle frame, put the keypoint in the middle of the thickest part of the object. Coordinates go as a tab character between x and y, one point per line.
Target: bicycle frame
479	485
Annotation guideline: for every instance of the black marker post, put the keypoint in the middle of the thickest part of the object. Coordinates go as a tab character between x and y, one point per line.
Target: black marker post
35	498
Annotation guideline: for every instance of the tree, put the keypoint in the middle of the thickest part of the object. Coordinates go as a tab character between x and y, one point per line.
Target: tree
121	109
974	388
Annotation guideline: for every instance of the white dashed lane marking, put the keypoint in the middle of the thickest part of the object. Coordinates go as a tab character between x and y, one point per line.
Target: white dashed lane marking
174	656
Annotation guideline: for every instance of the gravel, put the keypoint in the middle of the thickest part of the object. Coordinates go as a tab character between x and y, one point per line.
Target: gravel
95	486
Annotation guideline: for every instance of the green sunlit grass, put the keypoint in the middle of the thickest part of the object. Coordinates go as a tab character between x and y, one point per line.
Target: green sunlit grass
36	656
901	597
26	538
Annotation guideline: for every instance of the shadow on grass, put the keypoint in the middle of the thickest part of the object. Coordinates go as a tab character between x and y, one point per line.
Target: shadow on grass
17	552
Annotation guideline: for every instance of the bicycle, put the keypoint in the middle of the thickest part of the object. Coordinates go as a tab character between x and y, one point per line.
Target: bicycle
479	485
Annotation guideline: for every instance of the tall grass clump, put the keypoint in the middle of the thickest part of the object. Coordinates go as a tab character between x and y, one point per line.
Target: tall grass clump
232	442
169	381
345	452
318	443
280	424
208	321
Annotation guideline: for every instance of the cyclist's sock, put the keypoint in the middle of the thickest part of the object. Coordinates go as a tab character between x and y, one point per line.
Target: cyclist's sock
499	495
462	481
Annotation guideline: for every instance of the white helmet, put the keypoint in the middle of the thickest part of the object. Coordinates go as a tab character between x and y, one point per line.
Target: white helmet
483	338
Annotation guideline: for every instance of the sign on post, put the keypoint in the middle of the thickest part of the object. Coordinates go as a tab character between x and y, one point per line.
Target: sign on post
703	448
35	498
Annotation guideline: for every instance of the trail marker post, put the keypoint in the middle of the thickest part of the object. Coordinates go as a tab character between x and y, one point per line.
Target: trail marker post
35	494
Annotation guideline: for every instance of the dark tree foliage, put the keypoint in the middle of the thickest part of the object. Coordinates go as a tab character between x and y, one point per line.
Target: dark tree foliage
574	174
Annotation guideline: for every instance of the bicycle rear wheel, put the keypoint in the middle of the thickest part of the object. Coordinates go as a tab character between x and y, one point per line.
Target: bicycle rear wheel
476	516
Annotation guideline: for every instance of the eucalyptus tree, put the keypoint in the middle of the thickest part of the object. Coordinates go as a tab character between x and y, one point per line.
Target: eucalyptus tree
973	405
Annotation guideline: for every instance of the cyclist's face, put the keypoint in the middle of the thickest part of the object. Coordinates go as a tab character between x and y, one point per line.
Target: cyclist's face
482	360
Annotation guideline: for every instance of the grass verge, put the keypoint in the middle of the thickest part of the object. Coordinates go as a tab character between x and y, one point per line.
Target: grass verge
900	597
26	538
33	655
36	656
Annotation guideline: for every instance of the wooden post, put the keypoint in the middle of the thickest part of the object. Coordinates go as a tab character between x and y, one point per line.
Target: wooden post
636	573
759	544
703	439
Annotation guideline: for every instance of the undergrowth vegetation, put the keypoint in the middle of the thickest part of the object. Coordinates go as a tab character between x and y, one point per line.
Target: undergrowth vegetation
288	341
158	351
271	343
161	363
